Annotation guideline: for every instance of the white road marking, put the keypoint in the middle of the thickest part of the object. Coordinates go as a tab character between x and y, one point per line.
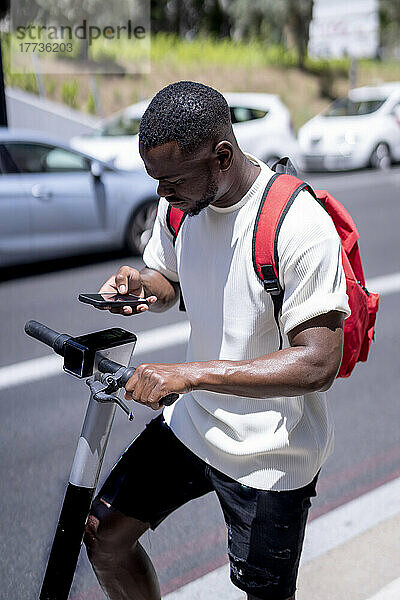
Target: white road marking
49	366
218	581
30	370
148	341
323	534
387	284
349	520
389	592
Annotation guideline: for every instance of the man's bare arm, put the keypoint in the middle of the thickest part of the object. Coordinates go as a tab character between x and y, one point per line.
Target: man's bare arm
165	290
310	364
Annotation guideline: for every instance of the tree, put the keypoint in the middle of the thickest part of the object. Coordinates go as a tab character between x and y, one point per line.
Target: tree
389	16
4	9
299	13
274	18
190	17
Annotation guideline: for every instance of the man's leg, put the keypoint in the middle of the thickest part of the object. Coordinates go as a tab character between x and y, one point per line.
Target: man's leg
144	487
265	536
122	567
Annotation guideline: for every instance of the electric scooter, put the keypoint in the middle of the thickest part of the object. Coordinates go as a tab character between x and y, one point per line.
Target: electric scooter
104	359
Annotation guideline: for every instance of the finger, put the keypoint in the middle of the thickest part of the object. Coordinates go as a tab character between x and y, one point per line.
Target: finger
133	379
145	383
128	280
155	406
126	311
118	310
121	279
130	386
155	397
153	391
109	286
142	308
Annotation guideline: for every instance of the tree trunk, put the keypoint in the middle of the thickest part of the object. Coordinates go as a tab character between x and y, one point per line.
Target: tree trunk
300	15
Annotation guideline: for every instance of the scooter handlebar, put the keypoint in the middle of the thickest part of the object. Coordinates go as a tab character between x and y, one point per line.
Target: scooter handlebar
56	341
46	335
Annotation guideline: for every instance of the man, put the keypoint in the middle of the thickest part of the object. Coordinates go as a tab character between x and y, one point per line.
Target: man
252	423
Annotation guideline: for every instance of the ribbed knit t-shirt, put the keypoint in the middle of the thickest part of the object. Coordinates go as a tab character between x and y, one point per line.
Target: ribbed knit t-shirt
267	443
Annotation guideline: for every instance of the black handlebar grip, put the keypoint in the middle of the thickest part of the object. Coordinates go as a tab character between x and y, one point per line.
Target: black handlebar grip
109	366
168	400
46	335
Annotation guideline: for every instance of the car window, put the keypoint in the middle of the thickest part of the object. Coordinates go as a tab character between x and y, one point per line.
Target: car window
43	158
59	159
240	114
349	108
122	126
8	166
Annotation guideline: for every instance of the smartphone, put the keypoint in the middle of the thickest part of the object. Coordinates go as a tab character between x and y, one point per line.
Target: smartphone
110	300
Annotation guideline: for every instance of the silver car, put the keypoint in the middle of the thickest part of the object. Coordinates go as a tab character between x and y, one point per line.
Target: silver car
56	201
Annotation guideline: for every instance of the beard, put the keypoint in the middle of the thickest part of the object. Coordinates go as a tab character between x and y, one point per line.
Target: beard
207	198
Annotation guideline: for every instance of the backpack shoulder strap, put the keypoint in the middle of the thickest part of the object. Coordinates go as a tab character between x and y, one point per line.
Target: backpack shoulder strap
175	218
276	200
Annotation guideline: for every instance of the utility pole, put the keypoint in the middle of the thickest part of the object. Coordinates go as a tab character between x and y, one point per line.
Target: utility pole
3	106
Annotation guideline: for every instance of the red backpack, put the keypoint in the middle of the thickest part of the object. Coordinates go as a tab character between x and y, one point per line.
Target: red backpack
277	198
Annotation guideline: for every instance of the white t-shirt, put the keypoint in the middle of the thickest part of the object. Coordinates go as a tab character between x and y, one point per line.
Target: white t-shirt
267	443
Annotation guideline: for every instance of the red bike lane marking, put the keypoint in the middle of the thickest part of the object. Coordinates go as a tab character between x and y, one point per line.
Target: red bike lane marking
359	491
346	475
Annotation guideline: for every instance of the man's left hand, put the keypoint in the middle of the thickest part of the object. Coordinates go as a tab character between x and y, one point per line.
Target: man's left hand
151	382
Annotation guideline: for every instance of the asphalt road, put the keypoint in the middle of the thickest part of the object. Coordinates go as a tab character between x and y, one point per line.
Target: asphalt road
40	420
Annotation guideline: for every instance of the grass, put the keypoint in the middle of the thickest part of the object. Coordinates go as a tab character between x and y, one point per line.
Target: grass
208	51
251	66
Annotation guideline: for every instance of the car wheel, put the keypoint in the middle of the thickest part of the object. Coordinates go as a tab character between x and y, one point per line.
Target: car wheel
380	157
140	227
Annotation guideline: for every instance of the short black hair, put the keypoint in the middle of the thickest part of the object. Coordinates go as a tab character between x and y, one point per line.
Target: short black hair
189	113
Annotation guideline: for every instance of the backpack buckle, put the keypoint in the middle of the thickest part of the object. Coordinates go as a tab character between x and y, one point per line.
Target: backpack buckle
270	281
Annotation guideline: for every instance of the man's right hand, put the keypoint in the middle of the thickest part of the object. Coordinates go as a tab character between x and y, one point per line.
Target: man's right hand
127	281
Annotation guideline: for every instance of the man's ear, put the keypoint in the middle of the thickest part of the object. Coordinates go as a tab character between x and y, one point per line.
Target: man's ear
224	154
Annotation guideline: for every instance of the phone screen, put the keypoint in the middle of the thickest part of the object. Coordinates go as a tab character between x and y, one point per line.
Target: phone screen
110	299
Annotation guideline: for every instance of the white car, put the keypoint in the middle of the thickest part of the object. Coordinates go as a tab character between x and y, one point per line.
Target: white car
261	123
360	130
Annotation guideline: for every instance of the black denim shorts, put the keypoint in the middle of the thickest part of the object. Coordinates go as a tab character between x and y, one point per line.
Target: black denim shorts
265	528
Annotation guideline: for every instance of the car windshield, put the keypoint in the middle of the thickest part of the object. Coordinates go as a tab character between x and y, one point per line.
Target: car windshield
345	107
